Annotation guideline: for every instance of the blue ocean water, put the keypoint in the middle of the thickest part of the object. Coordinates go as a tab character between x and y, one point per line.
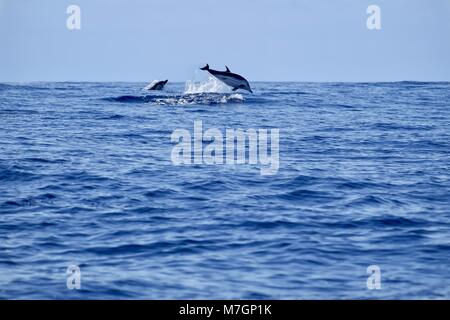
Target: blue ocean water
86	178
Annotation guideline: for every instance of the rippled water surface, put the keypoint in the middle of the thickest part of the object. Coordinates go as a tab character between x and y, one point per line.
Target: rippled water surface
86	178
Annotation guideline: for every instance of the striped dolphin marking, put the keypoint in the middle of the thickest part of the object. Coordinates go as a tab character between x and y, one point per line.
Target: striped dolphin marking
232	79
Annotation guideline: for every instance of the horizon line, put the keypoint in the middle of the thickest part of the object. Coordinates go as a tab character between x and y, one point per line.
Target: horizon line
256	81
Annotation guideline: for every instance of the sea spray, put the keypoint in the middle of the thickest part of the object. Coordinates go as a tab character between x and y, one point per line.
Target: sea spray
211	85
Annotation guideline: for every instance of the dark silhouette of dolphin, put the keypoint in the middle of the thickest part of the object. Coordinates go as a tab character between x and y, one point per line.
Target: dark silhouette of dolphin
232	79
157	86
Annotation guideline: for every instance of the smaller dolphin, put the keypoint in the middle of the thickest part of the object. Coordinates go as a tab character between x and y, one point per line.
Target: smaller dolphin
232	79
156	85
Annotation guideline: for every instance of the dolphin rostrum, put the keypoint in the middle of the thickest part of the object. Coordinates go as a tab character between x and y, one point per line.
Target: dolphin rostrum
232	79
156	85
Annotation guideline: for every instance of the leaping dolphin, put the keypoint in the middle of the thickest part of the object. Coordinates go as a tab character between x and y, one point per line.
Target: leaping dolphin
156	85
232	79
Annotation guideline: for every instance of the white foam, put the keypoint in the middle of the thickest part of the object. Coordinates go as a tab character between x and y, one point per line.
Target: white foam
236	96
210	85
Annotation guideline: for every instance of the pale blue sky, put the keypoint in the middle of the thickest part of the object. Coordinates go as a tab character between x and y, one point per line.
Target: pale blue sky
292	40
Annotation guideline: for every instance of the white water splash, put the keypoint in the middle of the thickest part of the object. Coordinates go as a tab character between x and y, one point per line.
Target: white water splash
198	99
232	98
210	85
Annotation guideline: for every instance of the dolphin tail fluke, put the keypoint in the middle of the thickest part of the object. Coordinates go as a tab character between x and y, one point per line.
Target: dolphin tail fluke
205	67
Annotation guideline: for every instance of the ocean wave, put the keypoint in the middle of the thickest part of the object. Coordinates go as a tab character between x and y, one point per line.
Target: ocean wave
25	86
11	174
186	99
95	185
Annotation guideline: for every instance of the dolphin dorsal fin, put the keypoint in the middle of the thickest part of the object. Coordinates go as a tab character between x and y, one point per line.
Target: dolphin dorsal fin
228	70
